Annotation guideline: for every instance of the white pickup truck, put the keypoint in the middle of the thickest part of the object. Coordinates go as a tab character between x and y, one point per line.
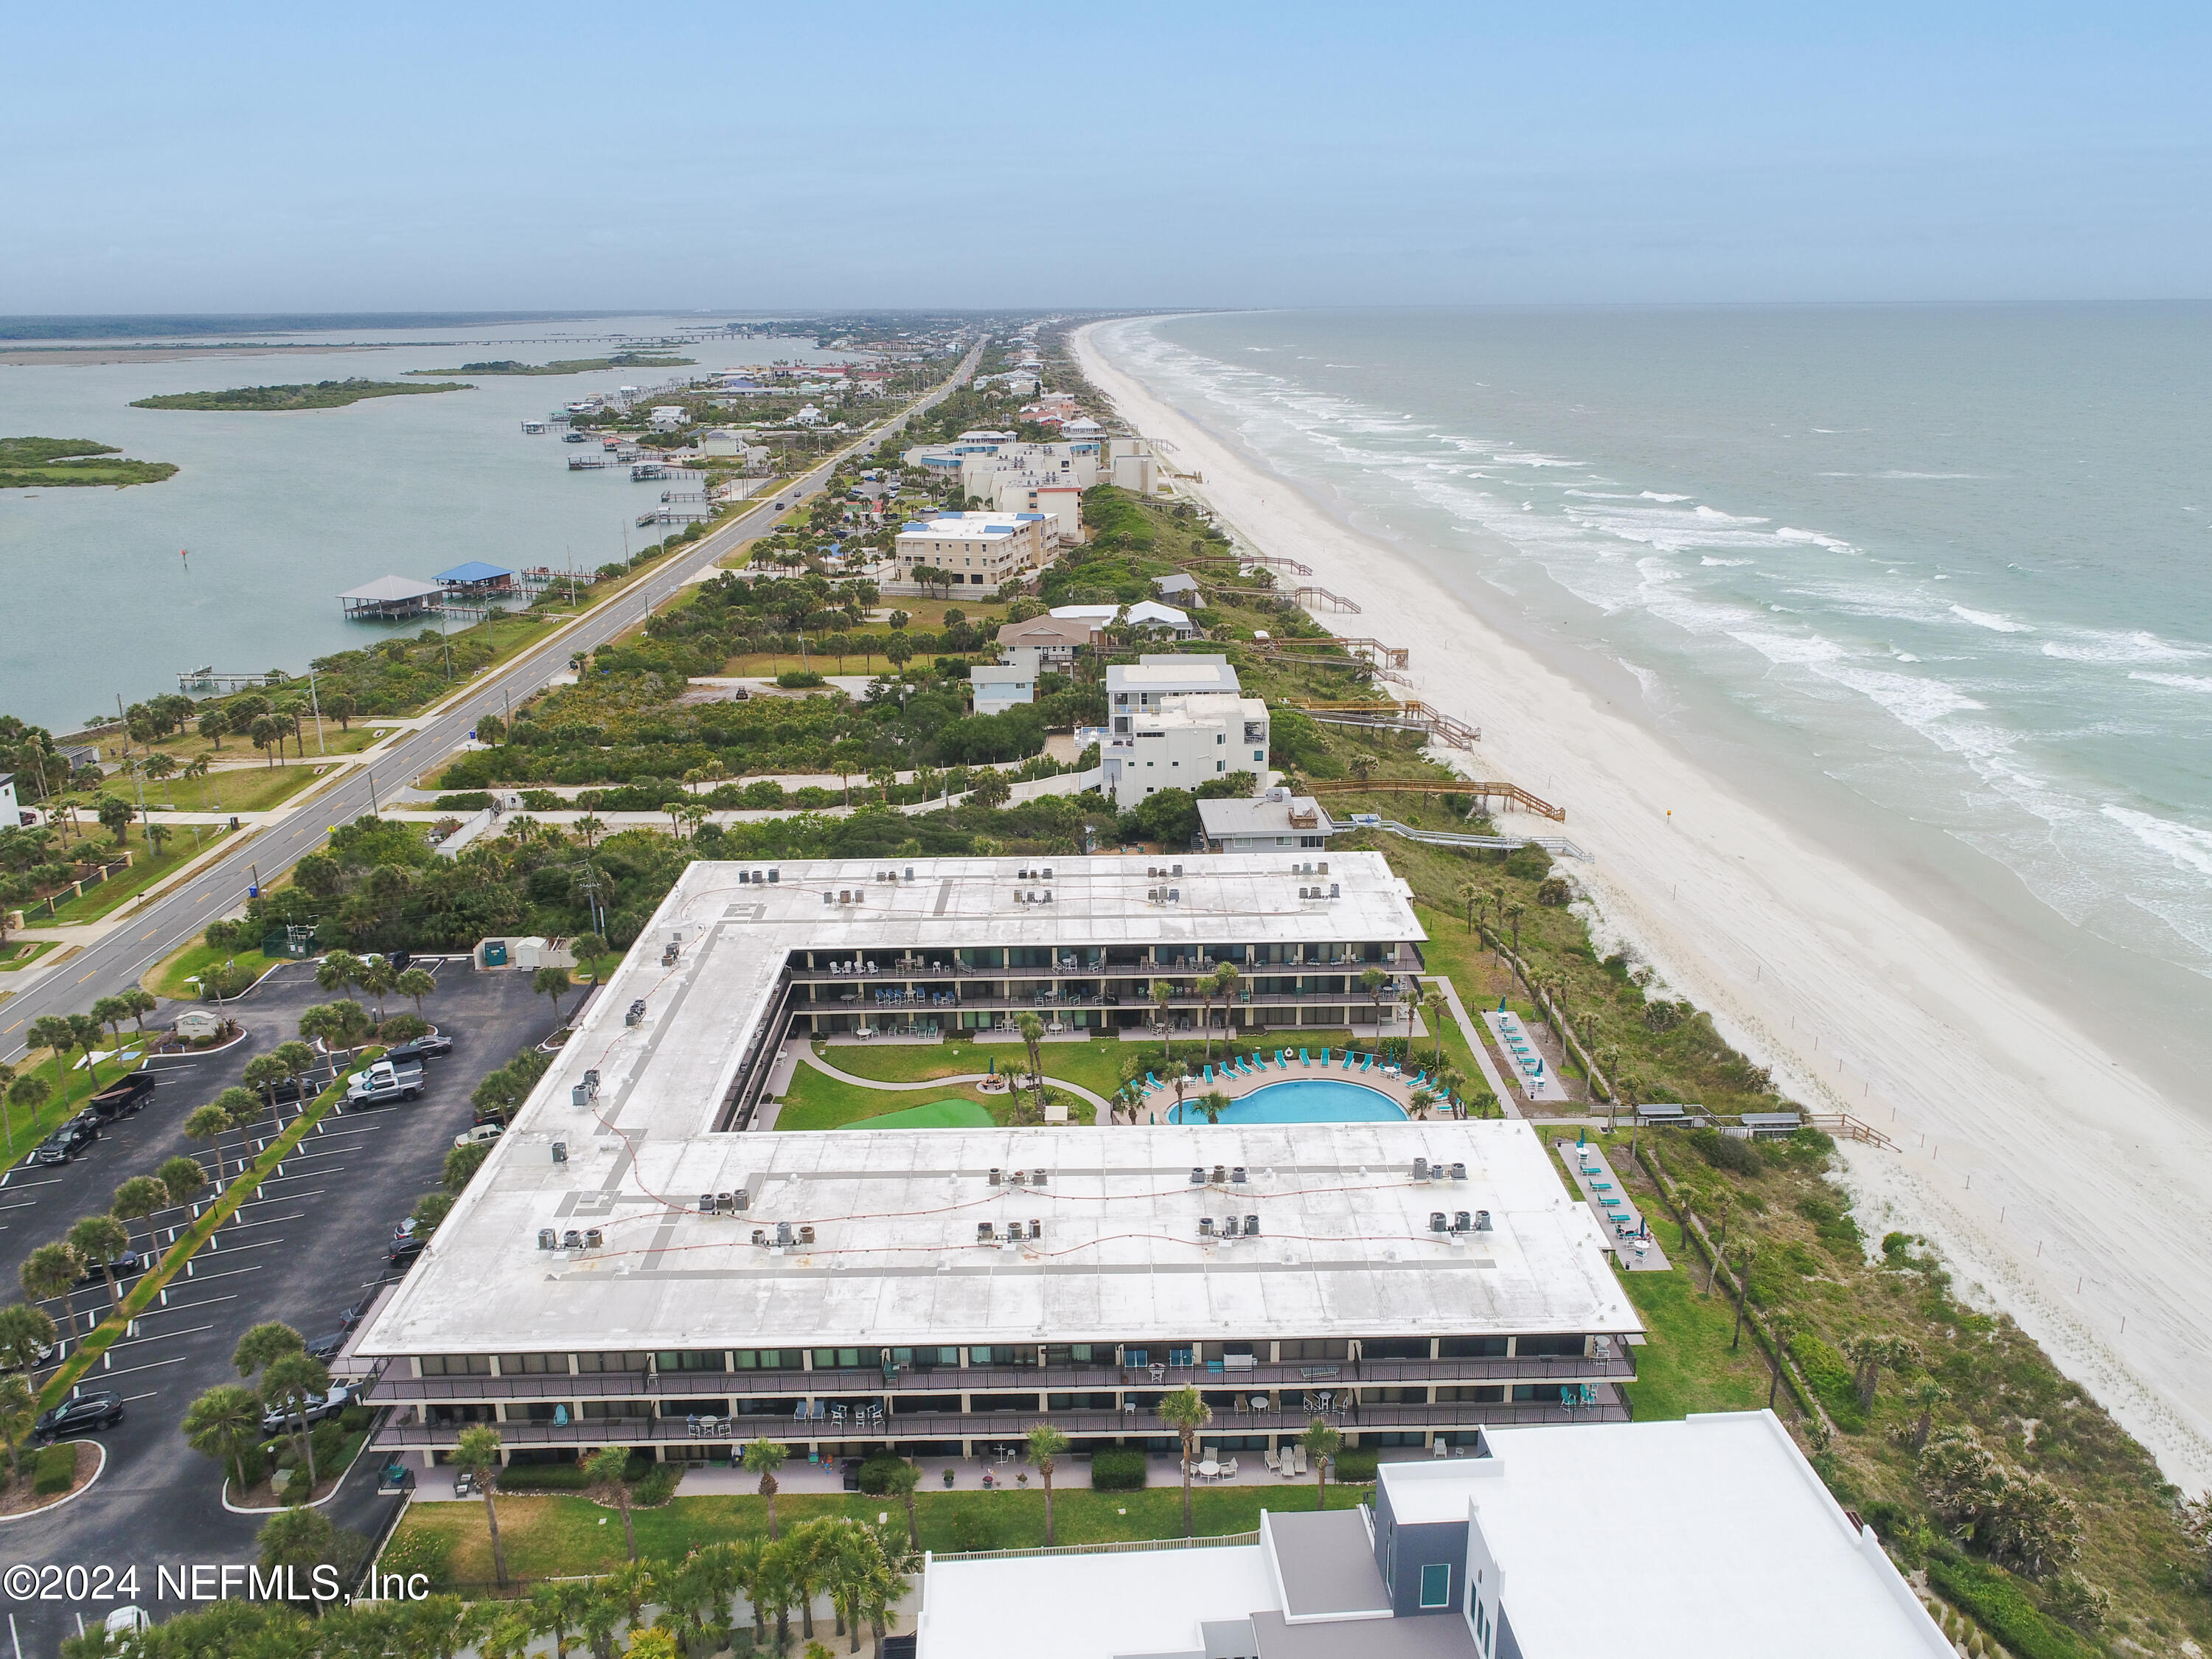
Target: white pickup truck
384	1082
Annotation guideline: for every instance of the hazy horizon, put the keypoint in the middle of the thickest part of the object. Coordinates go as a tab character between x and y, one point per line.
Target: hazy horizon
250	161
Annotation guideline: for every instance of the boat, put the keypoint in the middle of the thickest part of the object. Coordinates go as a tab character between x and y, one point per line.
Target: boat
640	471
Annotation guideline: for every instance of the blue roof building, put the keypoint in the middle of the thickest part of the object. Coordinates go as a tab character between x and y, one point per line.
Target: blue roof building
476	577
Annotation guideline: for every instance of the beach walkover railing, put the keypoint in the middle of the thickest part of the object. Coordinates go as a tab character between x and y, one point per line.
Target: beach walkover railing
1411	715
1304	598
1388	656
1485	790
1242	559
1559	846
1843	1124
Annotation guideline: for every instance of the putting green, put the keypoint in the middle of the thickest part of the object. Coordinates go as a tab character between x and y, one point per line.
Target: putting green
937	1114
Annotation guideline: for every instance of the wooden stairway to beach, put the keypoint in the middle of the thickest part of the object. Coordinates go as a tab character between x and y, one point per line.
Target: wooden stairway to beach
1486	790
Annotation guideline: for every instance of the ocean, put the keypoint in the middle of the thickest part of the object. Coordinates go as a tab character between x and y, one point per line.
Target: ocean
237	560
1933	584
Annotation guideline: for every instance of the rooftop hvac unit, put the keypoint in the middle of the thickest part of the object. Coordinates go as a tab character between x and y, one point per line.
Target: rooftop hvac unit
559	1150
1197	1175
1048	873
1176	870
636	1012
548	1239
1251	1226
1047	895
844	895
1459	1172
742	1200
828	897
909	872
985	1231
1220	1174
705	1204
593	1239
1438	1222
1237	1177
1420	1169
744	878
1482	1221
592	1082
772	876
725	1203
580	1096
996	1175
806	1235
572	1240
1175	894
1205	1227
760	1235
1036	1228
1037	1177
1462	1222
1324	867
783	1232
1336	889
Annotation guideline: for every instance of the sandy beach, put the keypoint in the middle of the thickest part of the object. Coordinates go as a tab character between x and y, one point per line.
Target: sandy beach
2055	1179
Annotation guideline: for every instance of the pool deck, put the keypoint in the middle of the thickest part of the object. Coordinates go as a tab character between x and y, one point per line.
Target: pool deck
1546	1086
1158	1105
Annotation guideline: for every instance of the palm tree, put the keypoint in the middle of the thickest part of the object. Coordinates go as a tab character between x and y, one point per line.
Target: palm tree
378	976
1213	1104
221	1424
342	1024
210	1123
100	1239
338	971
1178	1074
1032	1031
551	982
611	1467
1432	1004
27	1095
112	1012
1204	985
749	1567
1162	994
1373	980
1927	1394
478	1452
1186	1411
182	1179
141	1002
265	1072
287	1383
900	1481
763	1458
50	1271
1046	1443
1323	1443
1740	1258
19	1415
588	829
1468	893
26	1336
85	1034
1781	1325
1512	913
558	1608
418	982
298	1059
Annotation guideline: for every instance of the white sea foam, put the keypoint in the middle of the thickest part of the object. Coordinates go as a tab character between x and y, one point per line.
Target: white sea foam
1654	495
1990	620
1813	538
1725	563
2190	847
2139	646
2179	682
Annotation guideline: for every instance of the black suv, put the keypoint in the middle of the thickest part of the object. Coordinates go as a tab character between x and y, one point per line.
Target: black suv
134	1094
433	1044
102	1410
123	1266
407	1243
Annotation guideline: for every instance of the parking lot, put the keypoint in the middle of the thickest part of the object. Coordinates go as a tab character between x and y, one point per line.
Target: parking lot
311	1243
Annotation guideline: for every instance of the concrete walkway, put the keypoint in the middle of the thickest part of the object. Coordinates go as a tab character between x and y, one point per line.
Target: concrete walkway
1546	1085
1619	1220
1476	1046
806	1054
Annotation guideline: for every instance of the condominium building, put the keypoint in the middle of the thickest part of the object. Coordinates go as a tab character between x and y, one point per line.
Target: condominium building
1136	688
973	550
632	1266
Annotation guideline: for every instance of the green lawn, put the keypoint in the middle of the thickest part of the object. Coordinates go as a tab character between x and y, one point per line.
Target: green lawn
815	1101
937	1114
171	978
560	1533
124	885
1686	1366
21	954
1092	1065
22	1132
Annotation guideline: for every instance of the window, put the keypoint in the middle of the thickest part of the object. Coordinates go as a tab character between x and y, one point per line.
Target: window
694	1359
589	1363
533	1364
1436	1584
456	1365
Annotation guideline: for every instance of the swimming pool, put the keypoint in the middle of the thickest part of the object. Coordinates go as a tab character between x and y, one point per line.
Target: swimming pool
1305	1100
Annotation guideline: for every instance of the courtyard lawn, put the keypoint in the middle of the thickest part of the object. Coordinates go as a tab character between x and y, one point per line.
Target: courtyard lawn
1095	1066
1686	1366
561	1534
937	1114
815	1101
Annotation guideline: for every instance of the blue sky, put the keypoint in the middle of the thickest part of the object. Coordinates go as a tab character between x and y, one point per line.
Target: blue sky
554	156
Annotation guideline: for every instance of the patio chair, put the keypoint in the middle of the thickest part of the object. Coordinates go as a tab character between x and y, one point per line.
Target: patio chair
1229	1470
691	1427
1298	1457
1304	1058
1209	1454
1347	1060
1437	1448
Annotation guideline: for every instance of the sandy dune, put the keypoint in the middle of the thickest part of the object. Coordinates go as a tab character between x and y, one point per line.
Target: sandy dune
2070	1191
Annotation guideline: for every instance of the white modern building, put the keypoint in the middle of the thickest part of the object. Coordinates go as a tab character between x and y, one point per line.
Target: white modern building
632	1266
1155	617
975	549
1047	493
1182	742
1489	1556
1132	689
996	690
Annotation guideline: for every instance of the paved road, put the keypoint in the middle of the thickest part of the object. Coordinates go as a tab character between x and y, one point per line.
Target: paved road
309	1243
120	958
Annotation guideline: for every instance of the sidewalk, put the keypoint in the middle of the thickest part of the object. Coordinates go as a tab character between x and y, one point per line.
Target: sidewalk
1617	1215
1476	1046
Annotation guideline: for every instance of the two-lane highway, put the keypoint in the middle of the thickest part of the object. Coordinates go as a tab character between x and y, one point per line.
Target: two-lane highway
120	957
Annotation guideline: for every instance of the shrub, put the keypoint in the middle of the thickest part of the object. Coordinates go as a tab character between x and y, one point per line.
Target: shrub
656	1485
878	1472
1119	1469
1553	892
1727	1153
468	800
253	1465
1996	1599
543	800
974	1529
1355	1465
353	1419
328	1438
55	1470
798	678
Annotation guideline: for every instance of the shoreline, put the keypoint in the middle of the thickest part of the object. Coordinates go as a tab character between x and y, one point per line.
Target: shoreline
2026	1147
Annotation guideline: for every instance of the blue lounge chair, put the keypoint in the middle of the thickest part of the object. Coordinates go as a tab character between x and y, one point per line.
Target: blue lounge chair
1368	1064
1206	1075
1151	1083
1348	1059
1304	1058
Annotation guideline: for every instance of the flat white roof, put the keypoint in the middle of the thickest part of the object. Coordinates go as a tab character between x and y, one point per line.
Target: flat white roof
1777	1567
1344	1246
1200	674
1087	1607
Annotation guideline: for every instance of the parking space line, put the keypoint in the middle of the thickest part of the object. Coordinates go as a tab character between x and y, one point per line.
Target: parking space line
150	1393
150	1365
160	1336
227	1272
183	1307
267	1221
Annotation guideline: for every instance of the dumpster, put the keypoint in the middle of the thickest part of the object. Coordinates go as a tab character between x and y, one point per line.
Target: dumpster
495	953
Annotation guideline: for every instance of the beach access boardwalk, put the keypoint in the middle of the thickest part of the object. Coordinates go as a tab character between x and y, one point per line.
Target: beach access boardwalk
1626	1234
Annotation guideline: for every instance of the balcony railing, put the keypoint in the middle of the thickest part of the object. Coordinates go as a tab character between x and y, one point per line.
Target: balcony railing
1011	1426
1297	1377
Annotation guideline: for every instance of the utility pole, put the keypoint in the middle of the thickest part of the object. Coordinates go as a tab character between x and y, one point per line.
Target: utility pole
315	702
373	811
